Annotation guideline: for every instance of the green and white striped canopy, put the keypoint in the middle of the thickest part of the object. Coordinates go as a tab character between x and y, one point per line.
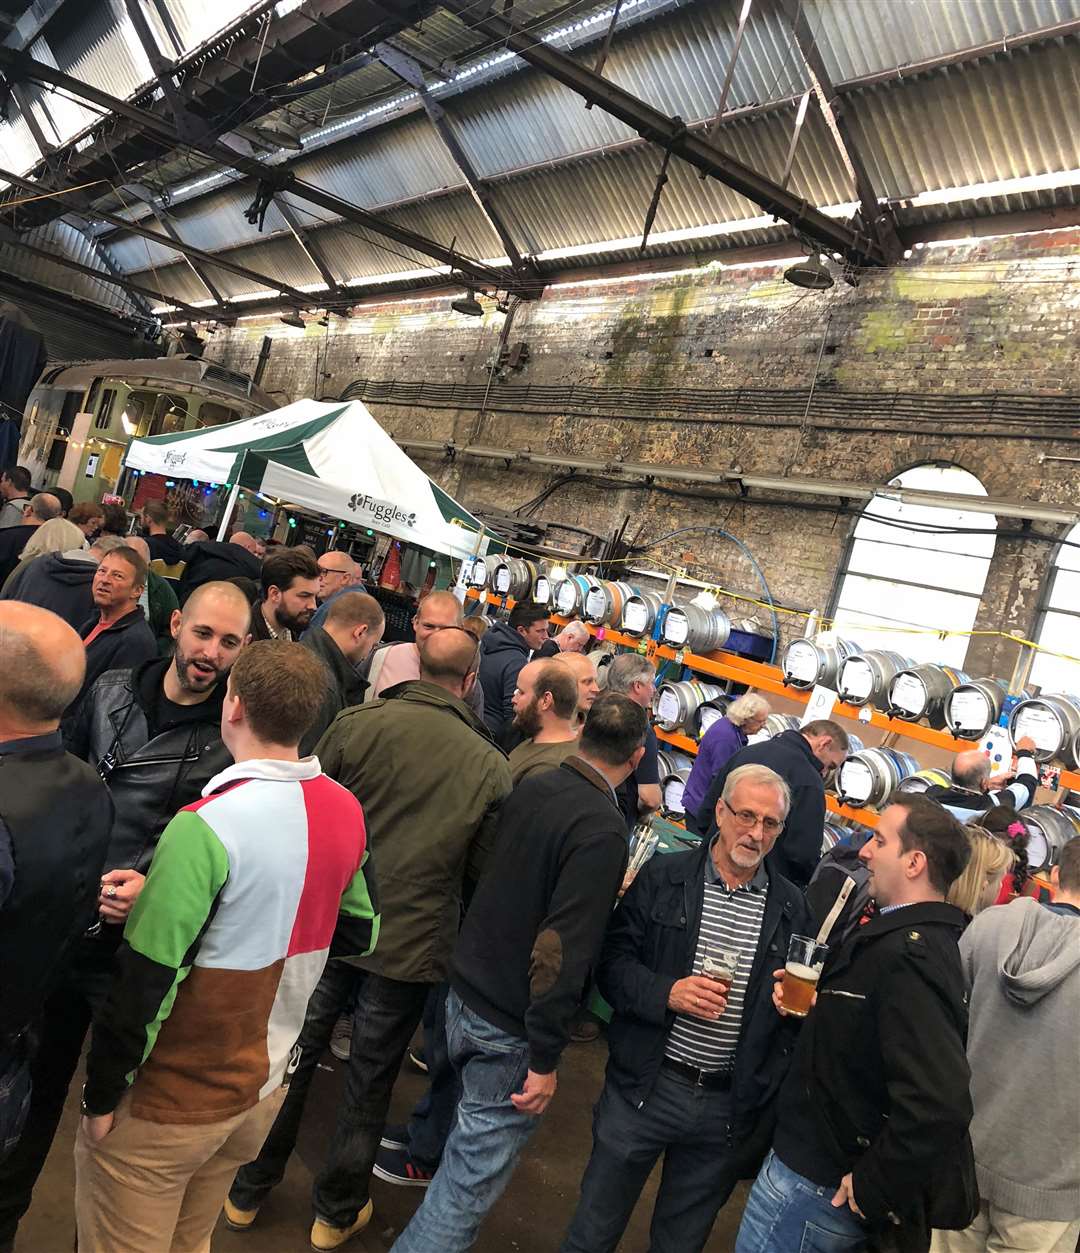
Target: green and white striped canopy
330	457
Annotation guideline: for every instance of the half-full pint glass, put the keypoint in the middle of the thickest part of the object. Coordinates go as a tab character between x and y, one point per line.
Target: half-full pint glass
801	973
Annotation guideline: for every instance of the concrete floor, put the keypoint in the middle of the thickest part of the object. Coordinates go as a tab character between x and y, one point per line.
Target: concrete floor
530	1218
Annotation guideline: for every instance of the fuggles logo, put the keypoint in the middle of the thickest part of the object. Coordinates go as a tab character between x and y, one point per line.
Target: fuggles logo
380	510
175	458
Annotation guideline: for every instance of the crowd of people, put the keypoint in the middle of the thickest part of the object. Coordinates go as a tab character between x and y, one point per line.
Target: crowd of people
269	833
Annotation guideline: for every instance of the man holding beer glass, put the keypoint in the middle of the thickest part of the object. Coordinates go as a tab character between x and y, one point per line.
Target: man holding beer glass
871	1133
696	1051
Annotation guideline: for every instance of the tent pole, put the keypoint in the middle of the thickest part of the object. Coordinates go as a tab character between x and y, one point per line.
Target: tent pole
230	505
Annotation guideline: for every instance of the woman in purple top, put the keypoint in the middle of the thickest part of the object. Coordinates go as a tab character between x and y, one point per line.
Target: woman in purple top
745	717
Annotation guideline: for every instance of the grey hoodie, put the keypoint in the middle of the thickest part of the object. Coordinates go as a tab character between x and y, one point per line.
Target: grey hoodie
1022	962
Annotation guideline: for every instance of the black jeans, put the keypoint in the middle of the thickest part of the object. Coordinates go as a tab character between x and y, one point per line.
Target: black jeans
61	1030
386	1015
689	1127
433	1115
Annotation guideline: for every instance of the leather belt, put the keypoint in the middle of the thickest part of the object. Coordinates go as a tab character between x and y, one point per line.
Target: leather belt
711	1080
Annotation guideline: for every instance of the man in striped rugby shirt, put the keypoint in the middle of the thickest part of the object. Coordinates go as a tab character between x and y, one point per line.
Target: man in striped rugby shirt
694	1063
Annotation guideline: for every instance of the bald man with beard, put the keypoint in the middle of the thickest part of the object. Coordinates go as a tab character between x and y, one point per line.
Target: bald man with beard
431	782
55	819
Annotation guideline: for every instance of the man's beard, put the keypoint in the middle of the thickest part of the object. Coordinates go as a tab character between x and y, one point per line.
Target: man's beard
196	680
527	720
295	624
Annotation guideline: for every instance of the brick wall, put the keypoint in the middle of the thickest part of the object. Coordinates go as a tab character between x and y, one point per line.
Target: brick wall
980	316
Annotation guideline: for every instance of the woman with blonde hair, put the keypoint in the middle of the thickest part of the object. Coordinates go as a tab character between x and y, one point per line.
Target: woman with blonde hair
58	535
978	887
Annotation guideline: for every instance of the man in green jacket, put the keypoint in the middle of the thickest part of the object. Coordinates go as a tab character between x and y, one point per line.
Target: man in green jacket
431	782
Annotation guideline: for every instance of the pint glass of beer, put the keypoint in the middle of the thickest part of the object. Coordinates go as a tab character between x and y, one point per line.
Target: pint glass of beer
801	973
719	964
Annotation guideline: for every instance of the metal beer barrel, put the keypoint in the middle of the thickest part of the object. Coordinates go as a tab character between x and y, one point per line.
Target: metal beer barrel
542	589
774	725
676	703
1052	722
807	663
699	630
674	771
923	780
865	677
639	613
604	603
974	707
513	577
708	712
920	692
1049	830
872	776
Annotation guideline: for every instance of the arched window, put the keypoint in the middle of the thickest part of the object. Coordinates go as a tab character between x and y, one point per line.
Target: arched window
920	574
1059	628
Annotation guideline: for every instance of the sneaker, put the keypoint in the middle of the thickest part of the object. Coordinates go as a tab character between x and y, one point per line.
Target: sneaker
396	1166
394	1136
416	1056
325	1237
341	1038
238	1219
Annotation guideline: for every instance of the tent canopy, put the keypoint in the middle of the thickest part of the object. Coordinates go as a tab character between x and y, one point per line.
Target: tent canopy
330	457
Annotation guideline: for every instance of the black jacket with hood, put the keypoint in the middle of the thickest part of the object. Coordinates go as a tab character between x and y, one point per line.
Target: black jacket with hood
503	652
166	548
153	766
345	688
211	560
60	582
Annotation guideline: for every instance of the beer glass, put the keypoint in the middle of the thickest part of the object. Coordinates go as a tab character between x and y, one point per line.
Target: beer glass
719	964
801	973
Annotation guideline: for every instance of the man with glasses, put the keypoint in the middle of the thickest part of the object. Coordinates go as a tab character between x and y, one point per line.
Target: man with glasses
338	573
400	663
802	759
697	1051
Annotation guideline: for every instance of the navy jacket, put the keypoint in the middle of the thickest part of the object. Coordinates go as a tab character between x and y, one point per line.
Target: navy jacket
798	850
650	945
502	654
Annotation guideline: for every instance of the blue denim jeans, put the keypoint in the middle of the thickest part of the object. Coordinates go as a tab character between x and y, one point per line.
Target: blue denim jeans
786	1213
433	1114
487	1136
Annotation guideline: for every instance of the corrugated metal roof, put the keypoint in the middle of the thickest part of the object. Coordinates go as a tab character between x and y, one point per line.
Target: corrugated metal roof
870	35
59	237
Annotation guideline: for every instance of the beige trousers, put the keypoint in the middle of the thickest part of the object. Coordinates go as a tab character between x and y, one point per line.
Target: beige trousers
154	1188
997	1231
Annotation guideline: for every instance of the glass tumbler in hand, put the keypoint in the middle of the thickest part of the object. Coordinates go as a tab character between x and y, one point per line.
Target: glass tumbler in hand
719	964
805	960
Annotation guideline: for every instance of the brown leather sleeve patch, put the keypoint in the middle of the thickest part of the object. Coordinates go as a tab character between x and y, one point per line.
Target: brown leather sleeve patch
546	963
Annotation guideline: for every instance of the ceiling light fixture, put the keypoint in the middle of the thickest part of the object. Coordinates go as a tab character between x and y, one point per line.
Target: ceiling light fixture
293	319
468	305
810	273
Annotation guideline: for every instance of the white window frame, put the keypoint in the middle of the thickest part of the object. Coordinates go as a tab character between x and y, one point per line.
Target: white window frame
1058	624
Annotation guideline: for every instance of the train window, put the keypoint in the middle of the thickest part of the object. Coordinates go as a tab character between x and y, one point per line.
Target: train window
56	455
914	570
213	414
170	414
104	418
138	409
1060	622
92	396
68	410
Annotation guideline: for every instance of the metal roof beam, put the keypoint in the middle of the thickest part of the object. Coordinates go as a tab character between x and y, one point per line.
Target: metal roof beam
410	72
837	116
166	225
163	69
304	238
20	65
672	134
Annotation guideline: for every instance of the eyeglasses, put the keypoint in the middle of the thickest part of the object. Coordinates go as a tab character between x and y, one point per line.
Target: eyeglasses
748	819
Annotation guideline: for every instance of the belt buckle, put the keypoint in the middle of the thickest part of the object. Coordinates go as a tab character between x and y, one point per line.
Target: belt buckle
699	1082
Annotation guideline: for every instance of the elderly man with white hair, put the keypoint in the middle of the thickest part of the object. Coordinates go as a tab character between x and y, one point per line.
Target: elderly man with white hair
696	1049
745	716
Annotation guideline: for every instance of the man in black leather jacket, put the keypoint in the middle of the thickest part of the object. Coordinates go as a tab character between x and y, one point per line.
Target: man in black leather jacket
153	733
694	1066
871	1147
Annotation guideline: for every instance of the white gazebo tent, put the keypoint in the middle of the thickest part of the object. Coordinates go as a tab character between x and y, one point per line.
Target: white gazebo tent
330	457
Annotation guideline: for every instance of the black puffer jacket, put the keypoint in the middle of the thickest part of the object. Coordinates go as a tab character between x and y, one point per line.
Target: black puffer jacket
152	770
650	945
